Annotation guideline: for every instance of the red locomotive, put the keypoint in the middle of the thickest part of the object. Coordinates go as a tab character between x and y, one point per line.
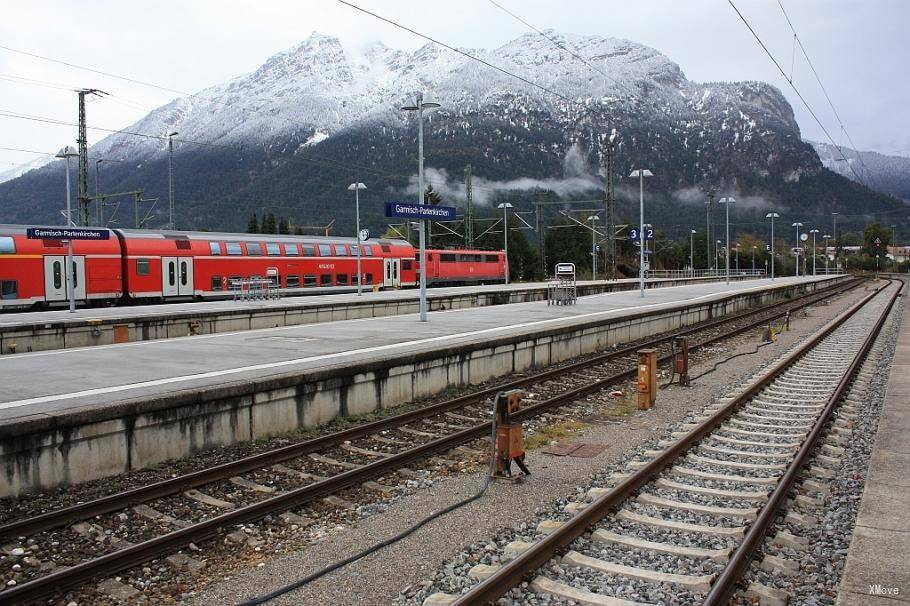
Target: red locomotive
143	265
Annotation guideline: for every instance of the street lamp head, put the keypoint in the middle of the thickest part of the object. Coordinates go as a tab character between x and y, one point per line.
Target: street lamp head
67	152
641	172
173	134
813	231
727	200
826	236
99	161
505	205
692	232
355	186
797	225
772	216
421	103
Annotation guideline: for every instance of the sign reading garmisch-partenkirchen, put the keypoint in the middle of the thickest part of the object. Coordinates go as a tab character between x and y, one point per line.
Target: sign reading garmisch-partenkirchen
67	233
419	211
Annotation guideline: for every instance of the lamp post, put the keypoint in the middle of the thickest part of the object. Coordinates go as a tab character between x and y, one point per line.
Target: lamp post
419	106
753	258
692	251
736	255
772	216
834	237
797	226
505	206
356	187
170	180
814	248
708	234
641	173
826	237
593	219
66	153
727	202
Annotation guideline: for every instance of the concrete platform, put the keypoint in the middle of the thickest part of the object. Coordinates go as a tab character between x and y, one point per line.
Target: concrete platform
22	332
878	563
73	414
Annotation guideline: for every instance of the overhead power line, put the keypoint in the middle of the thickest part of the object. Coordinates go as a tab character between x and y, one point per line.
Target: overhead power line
824	90
797	91
459	51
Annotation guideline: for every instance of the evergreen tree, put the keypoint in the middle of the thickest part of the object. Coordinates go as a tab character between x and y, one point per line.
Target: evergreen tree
268	224
253	226
283	226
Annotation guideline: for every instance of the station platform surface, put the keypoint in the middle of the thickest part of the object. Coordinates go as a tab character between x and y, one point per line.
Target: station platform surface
878	562
77	380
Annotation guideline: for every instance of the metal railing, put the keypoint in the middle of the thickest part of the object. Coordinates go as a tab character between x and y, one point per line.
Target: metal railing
704	273
255	289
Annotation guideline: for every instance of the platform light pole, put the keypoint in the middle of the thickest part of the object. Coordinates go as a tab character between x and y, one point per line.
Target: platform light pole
753	259
772	216
826	237
797	225
66	153
814	249
419	106
692	251
641	173
170	180
727	202
593	219
834	236
505	206
356	187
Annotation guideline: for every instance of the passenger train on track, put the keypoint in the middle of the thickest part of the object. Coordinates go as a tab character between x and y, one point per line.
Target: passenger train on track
144	266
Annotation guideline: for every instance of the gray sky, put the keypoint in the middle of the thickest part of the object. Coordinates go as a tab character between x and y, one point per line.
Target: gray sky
859	48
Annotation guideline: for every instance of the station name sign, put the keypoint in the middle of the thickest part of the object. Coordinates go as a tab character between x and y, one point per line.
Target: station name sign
420	211
67	233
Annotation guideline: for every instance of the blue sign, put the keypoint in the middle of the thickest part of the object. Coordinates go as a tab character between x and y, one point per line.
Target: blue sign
649	234
419	211
67	233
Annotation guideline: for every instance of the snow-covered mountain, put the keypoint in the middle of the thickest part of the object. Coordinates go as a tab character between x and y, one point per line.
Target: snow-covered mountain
284	136
888	174
18	171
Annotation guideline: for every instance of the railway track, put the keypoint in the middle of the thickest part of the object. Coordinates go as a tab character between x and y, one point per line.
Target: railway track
681	525
138	525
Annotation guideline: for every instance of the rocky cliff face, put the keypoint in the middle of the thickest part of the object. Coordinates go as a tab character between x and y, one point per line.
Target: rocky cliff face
288	137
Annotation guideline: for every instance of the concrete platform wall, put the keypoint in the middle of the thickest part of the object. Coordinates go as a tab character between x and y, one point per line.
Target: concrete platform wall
65	334
37	456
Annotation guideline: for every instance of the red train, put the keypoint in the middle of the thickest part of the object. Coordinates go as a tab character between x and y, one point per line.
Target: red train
146	266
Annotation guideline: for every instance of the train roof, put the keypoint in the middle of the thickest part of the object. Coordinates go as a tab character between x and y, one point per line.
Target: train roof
219	236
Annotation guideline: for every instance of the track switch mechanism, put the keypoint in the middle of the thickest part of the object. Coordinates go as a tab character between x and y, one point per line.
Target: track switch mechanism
509	437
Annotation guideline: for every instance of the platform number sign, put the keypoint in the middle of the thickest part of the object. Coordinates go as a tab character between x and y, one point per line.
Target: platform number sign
648	234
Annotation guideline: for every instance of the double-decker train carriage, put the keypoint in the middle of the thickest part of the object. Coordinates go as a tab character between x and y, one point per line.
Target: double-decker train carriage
146	266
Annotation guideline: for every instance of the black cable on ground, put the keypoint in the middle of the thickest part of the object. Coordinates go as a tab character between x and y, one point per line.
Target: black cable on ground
374	548
725	360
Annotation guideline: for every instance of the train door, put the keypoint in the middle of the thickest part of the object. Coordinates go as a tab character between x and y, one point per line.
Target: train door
55	278
391	272
185	276
169	279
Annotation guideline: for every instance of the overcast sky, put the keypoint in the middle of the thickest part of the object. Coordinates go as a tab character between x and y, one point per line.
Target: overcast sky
859	48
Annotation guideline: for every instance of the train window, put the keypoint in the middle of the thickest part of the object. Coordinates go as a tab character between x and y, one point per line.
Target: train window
491	258
215	248
273	250
447	258
309	280
7	245
9	289
183	244
234	281
407	264
386	248
172	273
233	248
341	250
309	249
291	249
58	274
366	251
254	249
341	279
216	282
325	250
367	278
142	267
293	281
325	280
